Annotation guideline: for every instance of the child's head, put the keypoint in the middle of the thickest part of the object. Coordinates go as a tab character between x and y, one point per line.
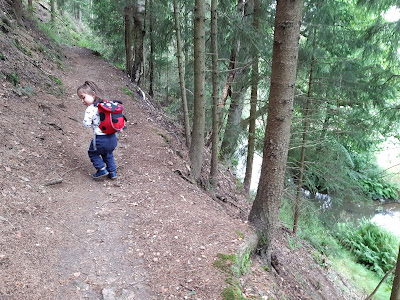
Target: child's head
87	92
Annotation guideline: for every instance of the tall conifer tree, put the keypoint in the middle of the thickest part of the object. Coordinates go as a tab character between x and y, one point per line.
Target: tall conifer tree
264	214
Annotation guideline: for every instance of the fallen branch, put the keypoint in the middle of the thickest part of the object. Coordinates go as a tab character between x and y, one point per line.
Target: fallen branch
60	179
379	284
5	220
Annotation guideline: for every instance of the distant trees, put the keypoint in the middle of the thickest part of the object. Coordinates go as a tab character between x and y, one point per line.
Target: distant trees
253	103
181	71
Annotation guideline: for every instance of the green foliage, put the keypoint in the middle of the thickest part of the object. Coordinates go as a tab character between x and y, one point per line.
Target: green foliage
319	259
372	246
13	78
164	136
232	292
63	31
18	45
245	263
362	277
293	242
239	234
129	93
311	228
2	56
225	262
230	265
379	190
56	80
24	91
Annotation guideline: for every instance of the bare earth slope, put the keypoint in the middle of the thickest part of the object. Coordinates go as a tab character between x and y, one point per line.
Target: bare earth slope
150	234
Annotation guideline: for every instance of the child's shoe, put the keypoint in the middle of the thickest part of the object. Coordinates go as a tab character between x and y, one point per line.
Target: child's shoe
112	175
100	173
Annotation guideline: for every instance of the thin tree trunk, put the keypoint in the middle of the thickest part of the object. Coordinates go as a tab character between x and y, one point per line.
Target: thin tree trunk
304	141
151	59
138	36
52	10
30	6
395	295
215	92
197	143
181	74
227	89
264	214
18	11
128	39
232	130
253	106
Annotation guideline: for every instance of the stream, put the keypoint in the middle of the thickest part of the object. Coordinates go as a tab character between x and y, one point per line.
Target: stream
385	214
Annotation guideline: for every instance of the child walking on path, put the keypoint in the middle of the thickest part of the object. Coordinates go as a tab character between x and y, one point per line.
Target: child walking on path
102	146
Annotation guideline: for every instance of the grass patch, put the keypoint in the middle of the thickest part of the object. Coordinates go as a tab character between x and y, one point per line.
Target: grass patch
129	93
13	78
164	136
371	245
362	253
361	277
229	265
18	45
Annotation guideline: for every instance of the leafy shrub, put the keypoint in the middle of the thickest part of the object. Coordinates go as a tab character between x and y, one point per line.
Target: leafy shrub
372	246
378	190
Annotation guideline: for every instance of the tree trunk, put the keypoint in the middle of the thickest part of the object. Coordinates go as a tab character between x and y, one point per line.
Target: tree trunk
52	10
197	144
30	6
253	105
303	143
128	39
264	214
17	8
396	282
232	61
215	92
232	130
151	55
227	88
138	36
181	74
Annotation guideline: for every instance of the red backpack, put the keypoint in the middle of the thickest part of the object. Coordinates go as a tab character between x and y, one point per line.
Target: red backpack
111	118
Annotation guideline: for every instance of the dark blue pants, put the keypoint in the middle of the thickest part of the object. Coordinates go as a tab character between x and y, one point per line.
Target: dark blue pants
102	155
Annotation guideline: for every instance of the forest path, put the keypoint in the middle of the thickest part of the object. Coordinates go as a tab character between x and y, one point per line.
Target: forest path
149	234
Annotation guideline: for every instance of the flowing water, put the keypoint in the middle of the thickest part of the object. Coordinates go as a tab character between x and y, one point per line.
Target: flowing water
384	214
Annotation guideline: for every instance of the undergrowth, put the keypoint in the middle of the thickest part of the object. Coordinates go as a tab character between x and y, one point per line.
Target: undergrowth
361	252
371	245
233	268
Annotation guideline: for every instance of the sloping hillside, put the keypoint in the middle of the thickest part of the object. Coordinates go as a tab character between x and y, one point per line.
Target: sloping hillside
150	234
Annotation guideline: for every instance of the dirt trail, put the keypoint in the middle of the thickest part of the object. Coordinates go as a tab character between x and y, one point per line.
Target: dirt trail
147	235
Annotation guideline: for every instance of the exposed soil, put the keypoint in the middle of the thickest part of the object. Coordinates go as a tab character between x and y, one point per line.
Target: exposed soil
150	234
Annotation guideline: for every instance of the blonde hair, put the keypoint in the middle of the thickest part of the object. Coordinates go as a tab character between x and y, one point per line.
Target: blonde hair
90	88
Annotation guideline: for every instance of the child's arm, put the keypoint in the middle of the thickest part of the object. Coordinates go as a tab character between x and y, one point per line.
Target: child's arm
91	118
